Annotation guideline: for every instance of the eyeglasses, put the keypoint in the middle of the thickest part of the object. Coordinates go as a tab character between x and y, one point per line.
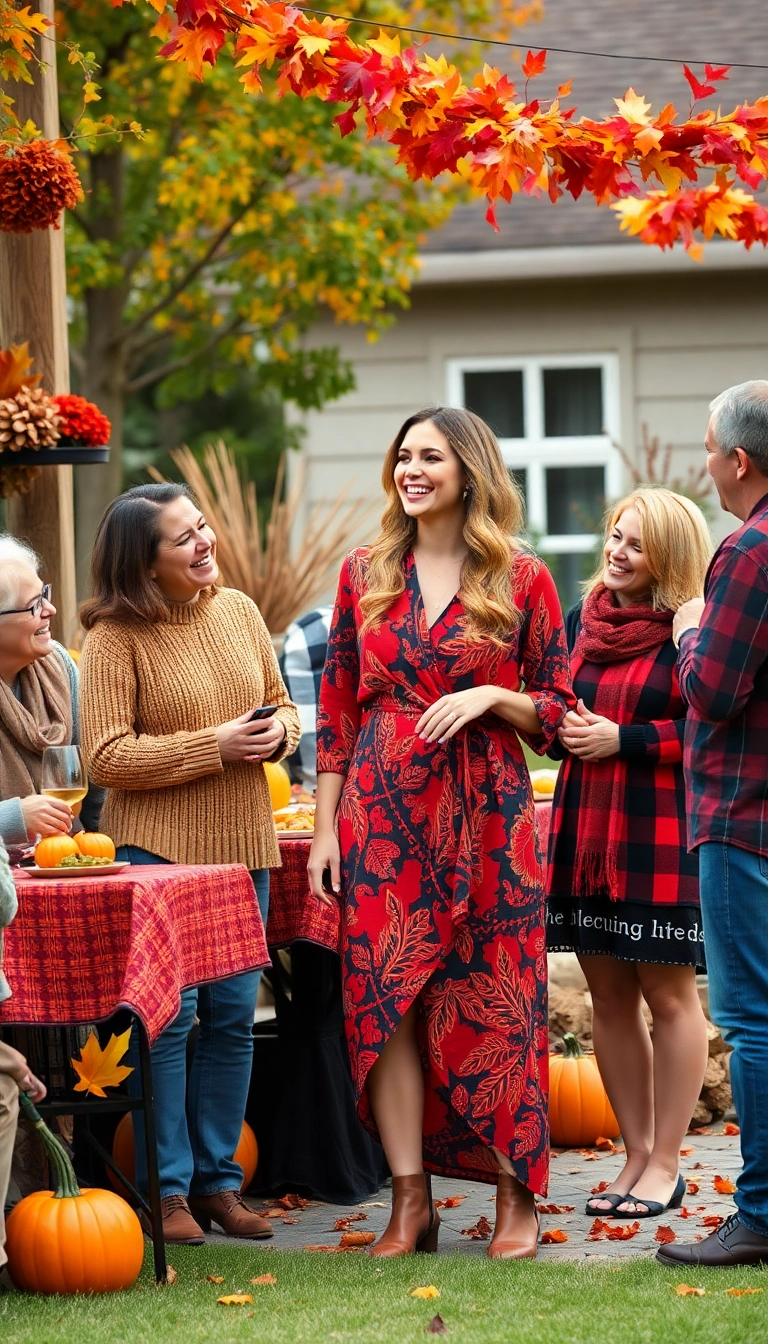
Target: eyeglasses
37	605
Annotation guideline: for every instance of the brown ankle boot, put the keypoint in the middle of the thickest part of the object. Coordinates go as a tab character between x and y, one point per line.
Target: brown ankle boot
516	1234
179	1227
414	1221
230	1211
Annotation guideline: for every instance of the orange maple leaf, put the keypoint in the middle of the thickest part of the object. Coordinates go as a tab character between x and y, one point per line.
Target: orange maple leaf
664	1235
555	1237
742	1292
99	1068
731	1129
15	363
687	1290
724	1186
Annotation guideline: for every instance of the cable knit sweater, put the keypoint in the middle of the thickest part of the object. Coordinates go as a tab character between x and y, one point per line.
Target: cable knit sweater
151	697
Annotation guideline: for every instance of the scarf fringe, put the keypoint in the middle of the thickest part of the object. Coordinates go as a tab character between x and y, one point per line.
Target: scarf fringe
596	873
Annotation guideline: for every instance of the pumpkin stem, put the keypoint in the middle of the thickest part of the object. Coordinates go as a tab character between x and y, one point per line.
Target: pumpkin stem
66	1181
571	1046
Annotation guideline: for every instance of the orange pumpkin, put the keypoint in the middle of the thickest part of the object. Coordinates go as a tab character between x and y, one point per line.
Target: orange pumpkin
71	1241
279	783
95	845
579	1109
50	851
124	1156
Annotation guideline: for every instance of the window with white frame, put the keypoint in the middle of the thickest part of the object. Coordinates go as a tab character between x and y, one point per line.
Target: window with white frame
555	418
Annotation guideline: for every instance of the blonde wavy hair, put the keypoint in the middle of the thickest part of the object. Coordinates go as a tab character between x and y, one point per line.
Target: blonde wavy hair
494	516
675	540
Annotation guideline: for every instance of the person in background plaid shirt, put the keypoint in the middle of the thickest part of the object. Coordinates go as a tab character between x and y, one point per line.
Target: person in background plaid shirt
723	672
302	663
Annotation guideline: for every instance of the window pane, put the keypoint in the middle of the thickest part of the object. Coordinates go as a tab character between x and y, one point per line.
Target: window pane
497	397
569	572
573	402
575	499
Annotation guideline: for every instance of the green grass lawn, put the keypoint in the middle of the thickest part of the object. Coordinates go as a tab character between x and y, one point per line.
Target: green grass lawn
353	1298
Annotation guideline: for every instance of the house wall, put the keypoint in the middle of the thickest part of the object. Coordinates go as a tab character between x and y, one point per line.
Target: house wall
679	339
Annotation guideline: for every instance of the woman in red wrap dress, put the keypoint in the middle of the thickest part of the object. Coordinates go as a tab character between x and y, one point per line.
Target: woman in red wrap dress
425	822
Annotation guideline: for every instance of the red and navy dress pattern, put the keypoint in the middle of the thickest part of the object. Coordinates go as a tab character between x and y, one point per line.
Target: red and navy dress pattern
441	874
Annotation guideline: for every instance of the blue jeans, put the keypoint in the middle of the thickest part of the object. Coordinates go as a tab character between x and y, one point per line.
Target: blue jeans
734	907
198	1118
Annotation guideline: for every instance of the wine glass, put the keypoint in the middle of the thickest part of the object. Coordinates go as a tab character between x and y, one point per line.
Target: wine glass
63	775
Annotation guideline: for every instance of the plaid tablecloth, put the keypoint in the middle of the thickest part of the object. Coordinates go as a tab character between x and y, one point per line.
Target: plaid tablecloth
80	948
295	914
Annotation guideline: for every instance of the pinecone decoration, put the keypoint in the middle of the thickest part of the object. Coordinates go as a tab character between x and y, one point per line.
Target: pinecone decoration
17	480
28	420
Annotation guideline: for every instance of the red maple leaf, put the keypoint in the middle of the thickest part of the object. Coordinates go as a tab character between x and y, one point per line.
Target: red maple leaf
664	1235
698	90
534	64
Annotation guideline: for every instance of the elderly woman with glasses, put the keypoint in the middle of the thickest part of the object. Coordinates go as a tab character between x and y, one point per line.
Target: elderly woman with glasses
38	703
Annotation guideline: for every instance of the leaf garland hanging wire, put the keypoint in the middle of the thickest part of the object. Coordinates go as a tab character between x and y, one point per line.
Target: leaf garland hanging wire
283	579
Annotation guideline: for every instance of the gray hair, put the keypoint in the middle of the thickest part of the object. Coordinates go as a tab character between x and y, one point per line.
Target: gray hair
740	420
15	559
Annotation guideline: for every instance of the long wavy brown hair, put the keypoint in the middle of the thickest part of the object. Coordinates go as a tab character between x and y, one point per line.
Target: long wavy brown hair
494	516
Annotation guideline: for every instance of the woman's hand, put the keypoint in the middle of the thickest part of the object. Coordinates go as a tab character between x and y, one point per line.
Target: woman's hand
16	1065
246	739
45	816
451	712
589	736
324	853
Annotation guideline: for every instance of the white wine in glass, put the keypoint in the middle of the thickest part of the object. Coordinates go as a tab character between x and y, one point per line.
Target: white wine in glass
63	775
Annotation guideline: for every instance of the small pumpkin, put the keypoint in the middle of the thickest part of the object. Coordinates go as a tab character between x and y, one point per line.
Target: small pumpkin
95	845
50	851
124	1154
579	1109
71	1240
279	783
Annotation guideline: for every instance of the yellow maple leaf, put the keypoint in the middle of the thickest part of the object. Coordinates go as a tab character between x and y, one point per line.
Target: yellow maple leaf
742	1292
312	44
634	107
235	1300
388	47
99	1068
687	1290
430	1291
15	363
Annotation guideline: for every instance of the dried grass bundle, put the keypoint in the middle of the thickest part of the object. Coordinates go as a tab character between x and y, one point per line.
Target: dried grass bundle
261	562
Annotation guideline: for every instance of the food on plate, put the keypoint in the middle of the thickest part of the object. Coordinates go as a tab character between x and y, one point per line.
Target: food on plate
543	782
85	861
87	849
291	819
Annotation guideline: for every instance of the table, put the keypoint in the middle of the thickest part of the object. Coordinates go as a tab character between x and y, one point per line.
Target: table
81	948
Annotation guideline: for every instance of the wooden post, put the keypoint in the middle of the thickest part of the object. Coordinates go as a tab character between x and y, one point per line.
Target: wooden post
33	292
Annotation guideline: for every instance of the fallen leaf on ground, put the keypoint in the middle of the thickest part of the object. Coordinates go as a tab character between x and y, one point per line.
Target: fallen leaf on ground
732	1129
375	1204
724	1186
684	1213
602	1231
265	1278
687	1290
693	1188
452	1202
273	1213
700	1129
215	1278
171	1274
235	1300
356	1239
555	1237
437	1326
288	1221
322	1248
481	1230
604	1145
686	1152
428	1292
293	1202
664	1235
742	1292
598	1189
342	1224
556	1208
711	1220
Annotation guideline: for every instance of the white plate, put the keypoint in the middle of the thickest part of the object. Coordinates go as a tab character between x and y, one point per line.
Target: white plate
101	870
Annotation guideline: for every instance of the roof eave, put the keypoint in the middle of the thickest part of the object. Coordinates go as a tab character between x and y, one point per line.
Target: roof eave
605	259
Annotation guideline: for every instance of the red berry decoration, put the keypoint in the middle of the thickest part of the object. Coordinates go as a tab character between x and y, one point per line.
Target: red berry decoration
37	182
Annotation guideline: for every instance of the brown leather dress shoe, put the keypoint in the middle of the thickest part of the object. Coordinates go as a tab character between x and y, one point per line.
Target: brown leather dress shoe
179	1227
732	1244
414	1222
231	1213
516	1234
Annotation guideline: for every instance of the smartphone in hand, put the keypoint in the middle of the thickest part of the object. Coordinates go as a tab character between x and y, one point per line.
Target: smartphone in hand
265	712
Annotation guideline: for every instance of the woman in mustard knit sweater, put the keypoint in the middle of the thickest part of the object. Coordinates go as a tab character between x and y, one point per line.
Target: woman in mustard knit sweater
173	667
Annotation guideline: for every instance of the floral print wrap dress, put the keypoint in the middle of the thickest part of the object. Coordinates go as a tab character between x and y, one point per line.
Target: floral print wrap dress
441	876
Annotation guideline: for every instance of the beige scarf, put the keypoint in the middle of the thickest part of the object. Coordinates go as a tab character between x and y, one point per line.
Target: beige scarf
40	718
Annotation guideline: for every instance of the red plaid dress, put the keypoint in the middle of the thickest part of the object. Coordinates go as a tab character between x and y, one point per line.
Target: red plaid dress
653	913
442	889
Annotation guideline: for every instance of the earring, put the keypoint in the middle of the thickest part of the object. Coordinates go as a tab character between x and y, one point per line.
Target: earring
466	492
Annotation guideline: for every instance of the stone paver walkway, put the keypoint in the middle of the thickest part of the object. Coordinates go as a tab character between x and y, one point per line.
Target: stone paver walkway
573	1177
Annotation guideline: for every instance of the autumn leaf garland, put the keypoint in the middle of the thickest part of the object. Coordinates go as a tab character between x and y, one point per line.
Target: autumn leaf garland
499	140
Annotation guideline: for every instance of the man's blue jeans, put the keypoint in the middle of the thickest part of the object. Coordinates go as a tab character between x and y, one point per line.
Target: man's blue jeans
734	905
198	1118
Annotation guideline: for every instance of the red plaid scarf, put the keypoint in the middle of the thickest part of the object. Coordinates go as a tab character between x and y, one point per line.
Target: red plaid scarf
630	638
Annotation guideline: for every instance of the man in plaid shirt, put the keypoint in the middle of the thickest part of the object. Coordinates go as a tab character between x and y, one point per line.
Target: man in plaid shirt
723	672
302	663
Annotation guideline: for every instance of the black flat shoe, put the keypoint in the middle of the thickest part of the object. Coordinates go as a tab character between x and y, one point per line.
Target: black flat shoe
732	1244
653	1209
611	1198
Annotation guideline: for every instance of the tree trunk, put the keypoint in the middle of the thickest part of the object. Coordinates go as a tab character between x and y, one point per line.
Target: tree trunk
104	378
